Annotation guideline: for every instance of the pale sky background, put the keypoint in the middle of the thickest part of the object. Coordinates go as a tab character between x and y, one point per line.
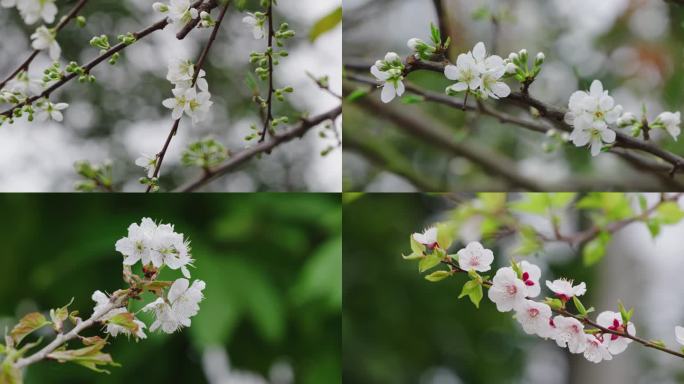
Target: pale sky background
40	157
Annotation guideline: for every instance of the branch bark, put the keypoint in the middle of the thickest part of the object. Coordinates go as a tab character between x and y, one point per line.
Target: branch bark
264	147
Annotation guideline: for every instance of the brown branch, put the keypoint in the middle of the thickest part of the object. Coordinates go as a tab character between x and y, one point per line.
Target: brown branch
161	24
269	100
62	23
198	67
439	136
552	114
201	7
443	23
264	147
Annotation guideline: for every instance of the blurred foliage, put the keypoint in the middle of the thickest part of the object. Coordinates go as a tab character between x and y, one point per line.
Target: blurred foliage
272	264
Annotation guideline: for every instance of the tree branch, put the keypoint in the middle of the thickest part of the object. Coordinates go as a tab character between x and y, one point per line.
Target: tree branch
269	100
63	22
161	24
264	147
440	136
198	67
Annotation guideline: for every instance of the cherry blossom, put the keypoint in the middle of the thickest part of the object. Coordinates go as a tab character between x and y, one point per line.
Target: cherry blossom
596	350
390	73
427	238
256	23
679	334
45	38
564	289
570	333
49	111
613	321
670	122
474	256
148	162
530	277
507	291
102	300
466	72
182	303
534	317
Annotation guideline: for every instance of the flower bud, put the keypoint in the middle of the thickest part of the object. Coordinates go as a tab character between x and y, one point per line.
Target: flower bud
392	57
540	59
511	68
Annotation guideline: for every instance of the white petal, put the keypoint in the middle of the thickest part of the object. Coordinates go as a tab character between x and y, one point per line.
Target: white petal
388	93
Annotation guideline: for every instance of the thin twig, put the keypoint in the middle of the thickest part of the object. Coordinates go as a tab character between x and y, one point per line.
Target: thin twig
63	22
243	156
198	67
269	99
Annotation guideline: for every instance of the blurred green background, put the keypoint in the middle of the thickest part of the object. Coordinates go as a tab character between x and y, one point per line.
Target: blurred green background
399	328
272	264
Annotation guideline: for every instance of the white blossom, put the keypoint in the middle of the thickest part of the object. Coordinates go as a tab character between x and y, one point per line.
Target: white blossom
181	303
49	111
390	73
530	277
507	291
466	72
102	300
148	162
34	10
613	321
679	334
570	333
474	256
25	85
565	290
44	38
596	350
257	25
427	238
180	11
671	122
534	317
590	114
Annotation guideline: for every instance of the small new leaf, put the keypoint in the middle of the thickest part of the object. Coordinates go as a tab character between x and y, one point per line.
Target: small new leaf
473	290
59	315
437	276
90	356
579	306
29	323
428	262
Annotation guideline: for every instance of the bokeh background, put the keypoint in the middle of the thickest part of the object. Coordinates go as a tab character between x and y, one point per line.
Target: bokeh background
400	328
632	46
272	265
121	115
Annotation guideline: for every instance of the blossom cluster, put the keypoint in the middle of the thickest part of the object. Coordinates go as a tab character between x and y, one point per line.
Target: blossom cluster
478	73
595	117
178	12
390	72
190	97
514	289
33	10
155	246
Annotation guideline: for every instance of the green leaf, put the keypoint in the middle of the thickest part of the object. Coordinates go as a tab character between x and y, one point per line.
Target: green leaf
3	349
616	206
126	320
326	23
445	234
594	250
29	323
90	356
412	99
659	343
413	256
437	276
492	202
473	290
429	262
624	313
435	34
416	247
357	94
579	306
9	374
529	242
643	203
670	213
654	227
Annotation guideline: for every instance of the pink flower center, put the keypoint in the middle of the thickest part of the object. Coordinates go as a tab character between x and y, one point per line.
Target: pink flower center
616	327
551	323
563	297
512	290
533	312
526	279
432	246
